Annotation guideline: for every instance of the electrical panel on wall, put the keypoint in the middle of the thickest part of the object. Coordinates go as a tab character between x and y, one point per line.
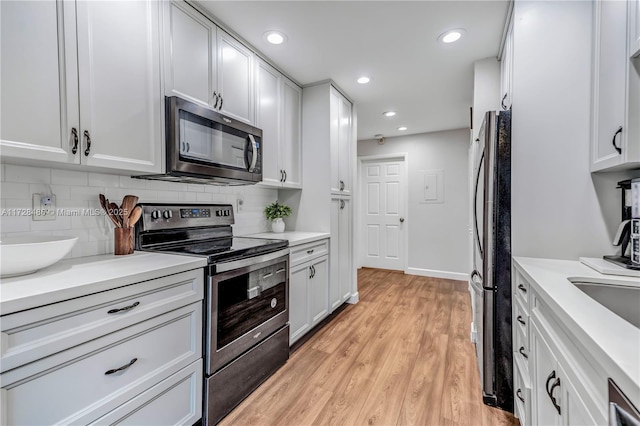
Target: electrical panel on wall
432	186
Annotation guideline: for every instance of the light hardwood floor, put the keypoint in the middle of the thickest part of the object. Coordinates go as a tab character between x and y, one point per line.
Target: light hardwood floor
401	356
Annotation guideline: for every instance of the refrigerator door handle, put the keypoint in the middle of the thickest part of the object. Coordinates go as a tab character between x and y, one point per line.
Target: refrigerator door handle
475	207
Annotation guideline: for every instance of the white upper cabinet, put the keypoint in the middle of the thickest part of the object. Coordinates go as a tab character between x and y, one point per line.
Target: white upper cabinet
340	142
206	65
506	70
615	136
290	146
235	79
35	94
119	80
279	105
190	54
85	88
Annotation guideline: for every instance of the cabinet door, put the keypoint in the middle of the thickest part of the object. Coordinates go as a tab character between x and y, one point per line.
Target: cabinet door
574	409
268	83
545	374
609	84
506	69
39	81
345	249
299	319
344	147
189	54
291	140
119	80
319	290
634	27
335	295
235	78
334	136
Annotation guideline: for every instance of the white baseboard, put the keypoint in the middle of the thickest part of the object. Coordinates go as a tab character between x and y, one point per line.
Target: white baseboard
437	274
355	298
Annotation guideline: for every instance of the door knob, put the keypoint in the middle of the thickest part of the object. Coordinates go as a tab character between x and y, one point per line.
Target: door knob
401	219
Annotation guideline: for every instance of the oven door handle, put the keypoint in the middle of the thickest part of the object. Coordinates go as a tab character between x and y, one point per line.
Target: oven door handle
241	263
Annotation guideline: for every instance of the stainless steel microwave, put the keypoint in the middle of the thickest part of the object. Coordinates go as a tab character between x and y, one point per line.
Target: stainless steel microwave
204	146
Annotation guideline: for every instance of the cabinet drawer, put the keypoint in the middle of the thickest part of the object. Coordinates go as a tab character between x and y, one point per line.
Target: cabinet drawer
79	386
34	334
522	397
174	401
521	289
304	252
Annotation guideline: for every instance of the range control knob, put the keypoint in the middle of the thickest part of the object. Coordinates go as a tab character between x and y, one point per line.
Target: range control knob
155	214
167	214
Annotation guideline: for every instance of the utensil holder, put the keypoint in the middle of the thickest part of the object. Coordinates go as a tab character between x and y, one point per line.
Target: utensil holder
123	241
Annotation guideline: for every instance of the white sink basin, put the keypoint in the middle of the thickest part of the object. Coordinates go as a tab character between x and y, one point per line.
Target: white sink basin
621	298
26	254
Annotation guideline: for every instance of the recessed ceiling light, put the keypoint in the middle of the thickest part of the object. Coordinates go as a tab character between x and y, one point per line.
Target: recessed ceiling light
364	80
389	113
275	37
451	35
402	128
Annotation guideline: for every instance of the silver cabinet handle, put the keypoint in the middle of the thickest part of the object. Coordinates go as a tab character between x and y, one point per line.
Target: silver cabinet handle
402	220
520	320
124	367
74	133
310	272
126	308
285	175
619	131
522	352
215	97
88	138
519	395
221	102
341	185
309	251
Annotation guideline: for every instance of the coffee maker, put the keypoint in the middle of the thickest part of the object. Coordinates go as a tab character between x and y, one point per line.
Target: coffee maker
628	235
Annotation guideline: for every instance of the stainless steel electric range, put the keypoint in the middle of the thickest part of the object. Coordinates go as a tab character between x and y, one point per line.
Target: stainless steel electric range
246	312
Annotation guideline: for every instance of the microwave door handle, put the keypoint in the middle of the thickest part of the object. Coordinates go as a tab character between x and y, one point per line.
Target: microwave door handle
254	155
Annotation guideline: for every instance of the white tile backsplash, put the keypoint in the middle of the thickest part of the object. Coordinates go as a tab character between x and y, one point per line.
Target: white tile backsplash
77	196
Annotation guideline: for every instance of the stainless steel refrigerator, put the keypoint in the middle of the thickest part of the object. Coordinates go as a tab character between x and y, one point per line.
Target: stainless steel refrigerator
491	277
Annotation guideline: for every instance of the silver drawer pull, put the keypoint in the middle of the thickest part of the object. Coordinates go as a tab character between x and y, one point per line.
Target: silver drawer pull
520	320
126	308
270	274
124	367
522	352
309	251
522	288
281	270
519	395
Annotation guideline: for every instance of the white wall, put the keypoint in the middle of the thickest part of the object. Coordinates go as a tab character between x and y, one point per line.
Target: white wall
437	233
78	191
559	210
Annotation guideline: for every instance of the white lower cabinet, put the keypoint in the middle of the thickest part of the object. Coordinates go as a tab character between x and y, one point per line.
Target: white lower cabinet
107	357
308	287
340	280
555	382
557	400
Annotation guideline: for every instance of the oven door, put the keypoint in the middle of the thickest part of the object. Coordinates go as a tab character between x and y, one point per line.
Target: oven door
246	303
204	143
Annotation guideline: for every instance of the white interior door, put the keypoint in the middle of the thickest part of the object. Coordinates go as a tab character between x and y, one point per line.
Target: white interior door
383	214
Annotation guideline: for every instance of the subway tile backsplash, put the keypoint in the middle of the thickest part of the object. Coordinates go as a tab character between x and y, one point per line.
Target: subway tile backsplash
77	192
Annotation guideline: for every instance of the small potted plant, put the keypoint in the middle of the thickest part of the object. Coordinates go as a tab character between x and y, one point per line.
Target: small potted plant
275	212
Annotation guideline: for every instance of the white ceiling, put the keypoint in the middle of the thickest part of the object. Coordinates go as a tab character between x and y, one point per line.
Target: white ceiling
428	83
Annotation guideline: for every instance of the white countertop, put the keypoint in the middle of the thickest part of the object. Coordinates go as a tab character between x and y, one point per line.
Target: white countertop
86	275
610	339
294	237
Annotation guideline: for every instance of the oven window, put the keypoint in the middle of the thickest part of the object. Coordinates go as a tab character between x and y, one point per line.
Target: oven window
212	142
248	300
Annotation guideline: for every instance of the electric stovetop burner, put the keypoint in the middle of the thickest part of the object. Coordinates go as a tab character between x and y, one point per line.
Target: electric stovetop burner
198	230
